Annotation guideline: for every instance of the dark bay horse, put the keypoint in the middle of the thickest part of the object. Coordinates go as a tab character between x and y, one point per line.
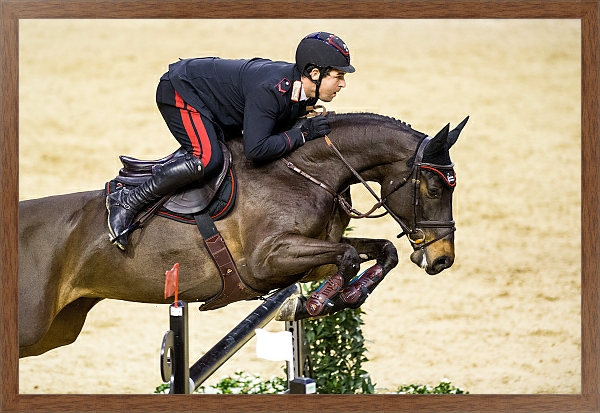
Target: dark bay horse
283	228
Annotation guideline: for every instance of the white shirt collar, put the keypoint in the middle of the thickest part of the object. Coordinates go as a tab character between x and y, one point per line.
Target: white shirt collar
302	94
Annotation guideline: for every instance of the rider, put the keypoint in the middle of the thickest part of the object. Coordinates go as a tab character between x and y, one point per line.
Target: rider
204	100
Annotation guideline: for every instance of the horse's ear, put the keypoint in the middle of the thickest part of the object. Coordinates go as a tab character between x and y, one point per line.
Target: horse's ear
438	144
453	134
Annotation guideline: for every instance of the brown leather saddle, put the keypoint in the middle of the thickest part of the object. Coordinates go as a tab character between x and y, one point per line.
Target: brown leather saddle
199	203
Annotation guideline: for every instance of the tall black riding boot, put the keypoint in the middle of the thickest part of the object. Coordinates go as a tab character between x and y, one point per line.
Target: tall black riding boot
124	205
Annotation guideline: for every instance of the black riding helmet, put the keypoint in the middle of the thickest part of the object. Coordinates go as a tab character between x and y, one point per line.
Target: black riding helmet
324	50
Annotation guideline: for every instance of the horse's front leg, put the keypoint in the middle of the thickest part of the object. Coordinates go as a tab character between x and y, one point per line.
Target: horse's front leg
353	295
297	254
384	252
381	250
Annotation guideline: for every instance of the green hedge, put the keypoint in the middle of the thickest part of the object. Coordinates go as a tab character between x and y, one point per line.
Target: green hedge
337	352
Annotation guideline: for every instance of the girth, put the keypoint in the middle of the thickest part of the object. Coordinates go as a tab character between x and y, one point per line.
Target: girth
233	288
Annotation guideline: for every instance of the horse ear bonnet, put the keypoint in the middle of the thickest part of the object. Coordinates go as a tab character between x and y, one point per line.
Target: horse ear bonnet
438	150
453	134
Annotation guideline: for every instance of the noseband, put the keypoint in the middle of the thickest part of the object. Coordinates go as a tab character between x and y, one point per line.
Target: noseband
413	230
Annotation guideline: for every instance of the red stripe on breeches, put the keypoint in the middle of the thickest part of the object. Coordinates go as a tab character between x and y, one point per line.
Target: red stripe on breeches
195	130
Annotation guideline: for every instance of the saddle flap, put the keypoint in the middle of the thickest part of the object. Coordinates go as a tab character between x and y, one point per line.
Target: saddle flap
195	198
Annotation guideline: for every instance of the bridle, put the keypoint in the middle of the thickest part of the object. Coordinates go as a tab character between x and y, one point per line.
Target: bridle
418	222
413	229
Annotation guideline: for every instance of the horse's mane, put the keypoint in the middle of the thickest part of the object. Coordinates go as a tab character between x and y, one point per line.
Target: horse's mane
364	118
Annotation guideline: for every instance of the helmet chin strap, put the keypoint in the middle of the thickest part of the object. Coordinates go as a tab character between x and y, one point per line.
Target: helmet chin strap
318	82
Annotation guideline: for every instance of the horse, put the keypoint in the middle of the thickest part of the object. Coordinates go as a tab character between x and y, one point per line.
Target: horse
287	226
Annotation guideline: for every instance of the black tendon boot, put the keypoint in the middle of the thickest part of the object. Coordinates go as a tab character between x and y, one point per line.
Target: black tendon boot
124	205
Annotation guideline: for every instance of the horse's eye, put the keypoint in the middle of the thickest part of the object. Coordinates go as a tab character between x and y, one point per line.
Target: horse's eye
434	193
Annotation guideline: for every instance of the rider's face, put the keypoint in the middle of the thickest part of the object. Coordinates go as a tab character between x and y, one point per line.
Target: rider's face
331	85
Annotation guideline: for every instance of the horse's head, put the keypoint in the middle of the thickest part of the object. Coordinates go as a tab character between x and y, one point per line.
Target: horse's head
422	201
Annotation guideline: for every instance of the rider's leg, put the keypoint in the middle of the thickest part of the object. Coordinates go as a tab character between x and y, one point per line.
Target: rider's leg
194	131
197	135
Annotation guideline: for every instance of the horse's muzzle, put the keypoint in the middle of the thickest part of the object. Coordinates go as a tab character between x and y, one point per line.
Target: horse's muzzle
439	264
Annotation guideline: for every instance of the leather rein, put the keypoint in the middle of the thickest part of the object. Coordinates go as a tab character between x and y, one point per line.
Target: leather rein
412	230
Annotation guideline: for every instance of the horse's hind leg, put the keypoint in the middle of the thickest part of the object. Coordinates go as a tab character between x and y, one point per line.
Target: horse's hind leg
64	329
354	295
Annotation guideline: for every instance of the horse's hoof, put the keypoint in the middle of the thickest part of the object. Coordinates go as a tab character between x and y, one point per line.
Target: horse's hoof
290	307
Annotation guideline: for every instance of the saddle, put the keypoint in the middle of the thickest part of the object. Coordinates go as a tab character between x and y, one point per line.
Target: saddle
190	199
197	203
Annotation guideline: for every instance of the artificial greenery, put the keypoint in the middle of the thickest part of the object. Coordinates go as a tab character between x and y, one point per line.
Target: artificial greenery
337	352
239	383
445	387
245	383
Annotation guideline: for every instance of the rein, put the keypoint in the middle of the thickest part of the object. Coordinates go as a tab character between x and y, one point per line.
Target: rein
348	209
410	231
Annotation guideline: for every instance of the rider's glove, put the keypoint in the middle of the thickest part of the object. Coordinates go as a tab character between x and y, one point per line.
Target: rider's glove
315	127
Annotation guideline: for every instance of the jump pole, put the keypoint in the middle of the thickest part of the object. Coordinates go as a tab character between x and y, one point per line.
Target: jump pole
174	353
240	335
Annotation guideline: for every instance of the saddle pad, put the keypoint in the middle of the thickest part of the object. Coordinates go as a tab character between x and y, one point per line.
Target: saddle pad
219	207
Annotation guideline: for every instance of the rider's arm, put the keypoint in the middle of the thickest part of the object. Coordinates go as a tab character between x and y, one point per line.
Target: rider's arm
260	117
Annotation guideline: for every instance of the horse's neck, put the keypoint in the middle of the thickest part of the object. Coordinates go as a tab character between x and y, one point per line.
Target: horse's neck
363	147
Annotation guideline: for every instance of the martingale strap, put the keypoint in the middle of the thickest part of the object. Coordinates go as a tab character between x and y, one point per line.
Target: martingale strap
233	289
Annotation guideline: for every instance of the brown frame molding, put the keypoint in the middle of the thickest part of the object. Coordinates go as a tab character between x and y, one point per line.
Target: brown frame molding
588	11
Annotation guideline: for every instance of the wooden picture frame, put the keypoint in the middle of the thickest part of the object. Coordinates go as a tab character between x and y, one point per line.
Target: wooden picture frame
587	11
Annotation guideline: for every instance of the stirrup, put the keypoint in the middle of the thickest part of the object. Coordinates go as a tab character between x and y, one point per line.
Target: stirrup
114	238
119	239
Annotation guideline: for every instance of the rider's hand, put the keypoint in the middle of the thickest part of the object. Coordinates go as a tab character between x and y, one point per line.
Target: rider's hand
315	127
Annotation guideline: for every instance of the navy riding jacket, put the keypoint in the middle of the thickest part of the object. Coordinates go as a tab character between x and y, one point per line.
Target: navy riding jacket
250	96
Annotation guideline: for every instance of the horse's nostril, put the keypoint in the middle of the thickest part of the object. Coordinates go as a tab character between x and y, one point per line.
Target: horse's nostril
442	263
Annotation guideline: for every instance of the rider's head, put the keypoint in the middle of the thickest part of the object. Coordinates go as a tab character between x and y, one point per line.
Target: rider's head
320	55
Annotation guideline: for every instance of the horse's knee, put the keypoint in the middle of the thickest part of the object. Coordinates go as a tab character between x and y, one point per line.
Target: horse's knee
390	257
349	263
